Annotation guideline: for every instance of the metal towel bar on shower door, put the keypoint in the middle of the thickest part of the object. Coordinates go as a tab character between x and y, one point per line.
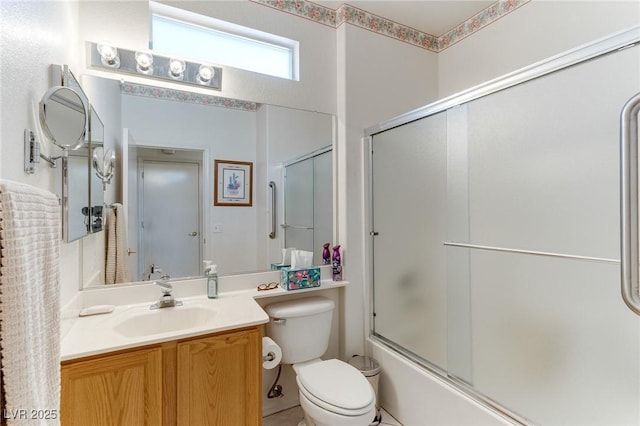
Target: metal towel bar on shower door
629	203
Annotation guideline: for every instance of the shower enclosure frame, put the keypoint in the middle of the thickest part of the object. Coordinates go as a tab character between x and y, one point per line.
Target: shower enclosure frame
598	48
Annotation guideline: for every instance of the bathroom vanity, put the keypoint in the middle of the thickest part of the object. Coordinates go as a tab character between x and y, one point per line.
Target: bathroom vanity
196	364
199	363
211	379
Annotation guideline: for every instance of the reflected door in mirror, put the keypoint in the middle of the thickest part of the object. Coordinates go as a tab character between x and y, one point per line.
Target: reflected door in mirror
170	207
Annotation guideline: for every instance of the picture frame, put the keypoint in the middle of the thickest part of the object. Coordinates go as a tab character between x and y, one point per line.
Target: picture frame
233	183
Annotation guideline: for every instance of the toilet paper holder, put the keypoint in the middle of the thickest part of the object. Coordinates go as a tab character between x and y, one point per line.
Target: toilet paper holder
271	353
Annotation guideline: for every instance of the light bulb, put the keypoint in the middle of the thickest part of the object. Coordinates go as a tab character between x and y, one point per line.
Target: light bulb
144	62
205	74
108	55
176	69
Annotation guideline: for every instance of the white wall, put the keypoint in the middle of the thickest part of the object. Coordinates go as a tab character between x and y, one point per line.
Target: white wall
378	78
34	36
535	31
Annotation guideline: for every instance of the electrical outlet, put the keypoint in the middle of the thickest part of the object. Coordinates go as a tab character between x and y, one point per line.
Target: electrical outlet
217	227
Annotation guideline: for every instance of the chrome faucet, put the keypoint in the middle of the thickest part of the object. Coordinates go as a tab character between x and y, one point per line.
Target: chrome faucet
167	300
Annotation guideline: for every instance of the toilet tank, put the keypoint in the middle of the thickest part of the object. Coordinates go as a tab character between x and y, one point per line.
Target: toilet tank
301	327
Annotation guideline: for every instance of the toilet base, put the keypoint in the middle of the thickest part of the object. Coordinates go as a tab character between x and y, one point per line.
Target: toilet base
316	416
375	422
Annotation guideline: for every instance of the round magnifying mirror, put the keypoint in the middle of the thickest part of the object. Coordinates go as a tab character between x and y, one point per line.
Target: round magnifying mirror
63	115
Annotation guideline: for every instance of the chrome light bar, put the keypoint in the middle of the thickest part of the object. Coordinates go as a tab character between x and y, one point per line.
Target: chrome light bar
149	64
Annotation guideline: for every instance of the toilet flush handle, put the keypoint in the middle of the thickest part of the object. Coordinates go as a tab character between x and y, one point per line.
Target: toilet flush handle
279	320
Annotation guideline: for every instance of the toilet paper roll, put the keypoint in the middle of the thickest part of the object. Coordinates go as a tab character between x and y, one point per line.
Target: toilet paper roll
271	353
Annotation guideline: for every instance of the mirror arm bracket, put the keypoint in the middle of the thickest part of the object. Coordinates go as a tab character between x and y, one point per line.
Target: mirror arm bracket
32	154
50	160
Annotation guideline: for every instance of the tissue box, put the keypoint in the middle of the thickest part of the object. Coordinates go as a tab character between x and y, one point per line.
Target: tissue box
276	266
297	279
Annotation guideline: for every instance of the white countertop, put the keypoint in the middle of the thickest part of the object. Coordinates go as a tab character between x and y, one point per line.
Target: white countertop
96	334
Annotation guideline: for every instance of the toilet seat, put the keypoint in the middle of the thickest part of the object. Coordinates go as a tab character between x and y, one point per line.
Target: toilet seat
336	387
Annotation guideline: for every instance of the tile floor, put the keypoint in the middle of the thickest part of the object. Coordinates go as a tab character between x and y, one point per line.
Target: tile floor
292	416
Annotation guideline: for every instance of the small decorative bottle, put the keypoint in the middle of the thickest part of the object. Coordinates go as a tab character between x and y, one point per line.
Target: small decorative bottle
337	264
326	255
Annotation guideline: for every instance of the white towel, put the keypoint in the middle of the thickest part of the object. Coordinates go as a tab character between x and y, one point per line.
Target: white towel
117	264
29	300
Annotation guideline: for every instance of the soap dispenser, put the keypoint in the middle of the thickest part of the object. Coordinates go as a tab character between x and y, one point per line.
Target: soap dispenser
211	272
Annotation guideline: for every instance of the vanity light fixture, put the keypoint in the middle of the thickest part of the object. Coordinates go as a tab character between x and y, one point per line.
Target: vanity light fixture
176	69
149	64
144	62
108	55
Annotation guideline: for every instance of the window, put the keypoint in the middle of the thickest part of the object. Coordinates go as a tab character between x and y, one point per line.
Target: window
202	38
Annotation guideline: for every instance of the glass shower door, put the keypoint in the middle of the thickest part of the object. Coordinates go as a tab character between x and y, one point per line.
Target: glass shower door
298	205
496	257
308	204
550	336
410	293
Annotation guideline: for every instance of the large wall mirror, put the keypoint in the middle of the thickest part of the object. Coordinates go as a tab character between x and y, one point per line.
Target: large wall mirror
169	141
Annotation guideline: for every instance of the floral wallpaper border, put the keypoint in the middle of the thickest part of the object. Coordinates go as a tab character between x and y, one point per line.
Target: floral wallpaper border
480	20
143	90
304	9
378	24
361	18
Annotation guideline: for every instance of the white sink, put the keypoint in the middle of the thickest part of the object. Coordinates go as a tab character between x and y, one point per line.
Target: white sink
145	322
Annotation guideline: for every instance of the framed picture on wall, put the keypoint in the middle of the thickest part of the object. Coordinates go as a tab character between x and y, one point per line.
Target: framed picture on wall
233	185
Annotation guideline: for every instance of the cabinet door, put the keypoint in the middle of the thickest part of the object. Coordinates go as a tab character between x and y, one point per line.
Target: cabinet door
123	389
219	380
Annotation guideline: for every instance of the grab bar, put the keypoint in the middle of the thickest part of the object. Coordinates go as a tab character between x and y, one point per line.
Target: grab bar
272	234
629	203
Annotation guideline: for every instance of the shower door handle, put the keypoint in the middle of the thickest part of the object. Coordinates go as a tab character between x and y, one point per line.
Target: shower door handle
629	247
272	234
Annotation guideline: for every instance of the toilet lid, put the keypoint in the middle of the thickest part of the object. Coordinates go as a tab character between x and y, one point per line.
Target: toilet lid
336	383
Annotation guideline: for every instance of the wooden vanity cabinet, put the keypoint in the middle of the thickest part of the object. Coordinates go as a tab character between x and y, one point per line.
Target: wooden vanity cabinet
219	380
119	389
214	379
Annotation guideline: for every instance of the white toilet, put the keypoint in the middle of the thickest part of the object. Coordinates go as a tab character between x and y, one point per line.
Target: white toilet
332	392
